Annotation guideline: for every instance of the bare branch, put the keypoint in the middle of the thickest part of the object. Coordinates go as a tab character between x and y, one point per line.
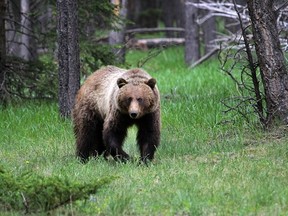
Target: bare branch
151	54
205	57
228	10
284	5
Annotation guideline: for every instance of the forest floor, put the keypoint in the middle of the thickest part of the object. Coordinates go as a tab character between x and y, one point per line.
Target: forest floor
209	162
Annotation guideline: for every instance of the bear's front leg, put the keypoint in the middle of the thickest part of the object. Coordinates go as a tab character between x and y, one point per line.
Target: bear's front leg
89	138
113	138
148	136
147	145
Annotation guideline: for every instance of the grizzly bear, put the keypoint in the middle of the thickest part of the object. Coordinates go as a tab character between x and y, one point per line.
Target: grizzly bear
110	101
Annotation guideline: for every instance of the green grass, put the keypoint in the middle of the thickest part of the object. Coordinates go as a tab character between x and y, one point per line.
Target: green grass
209	162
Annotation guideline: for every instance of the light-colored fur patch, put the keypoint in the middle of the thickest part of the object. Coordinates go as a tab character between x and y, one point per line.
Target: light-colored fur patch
100	89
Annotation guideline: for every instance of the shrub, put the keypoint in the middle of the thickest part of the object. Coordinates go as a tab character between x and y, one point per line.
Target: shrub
30	192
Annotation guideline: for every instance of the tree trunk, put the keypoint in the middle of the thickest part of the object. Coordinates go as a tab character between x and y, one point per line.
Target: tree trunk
134	8
2	52
270	58
68	55
25	30
180	16
168	15
148	10
173	15
209	30
192	51
19	41
117	38
12	36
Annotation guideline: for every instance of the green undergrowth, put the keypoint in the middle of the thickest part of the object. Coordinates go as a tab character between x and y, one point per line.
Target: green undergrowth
32	193
210	162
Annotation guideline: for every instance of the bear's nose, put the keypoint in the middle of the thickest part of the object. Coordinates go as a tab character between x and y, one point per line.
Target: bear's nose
133	115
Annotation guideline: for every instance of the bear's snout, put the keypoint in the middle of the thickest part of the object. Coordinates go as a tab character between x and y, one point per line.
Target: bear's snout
133	114
134	109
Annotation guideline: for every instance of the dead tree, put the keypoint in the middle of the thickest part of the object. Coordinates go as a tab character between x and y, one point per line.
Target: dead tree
257	50
192	47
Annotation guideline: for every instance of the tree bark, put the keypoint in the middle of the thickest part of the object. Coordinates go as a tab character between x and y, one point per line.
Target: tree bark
2	52
209	30
12	37
148	10
271	61
134	8
117	38
192	49
167	16
173	14
68	55
25	29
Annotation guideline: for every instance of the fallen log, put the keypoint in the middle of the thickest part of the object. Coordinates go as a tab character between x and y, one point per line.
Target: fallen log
153	30
155	42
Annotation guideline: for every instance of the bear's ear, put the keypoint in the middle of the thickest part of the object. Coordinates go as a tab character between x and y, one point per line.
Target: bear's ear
121	82
151	82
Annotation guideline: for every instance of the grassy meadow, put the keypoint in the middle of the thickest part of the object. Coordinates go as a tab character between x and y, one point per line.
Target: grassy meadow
209	162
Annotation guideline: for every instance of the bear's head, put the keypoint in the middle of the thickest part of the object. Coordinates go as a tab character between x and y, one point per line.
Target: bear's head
137	98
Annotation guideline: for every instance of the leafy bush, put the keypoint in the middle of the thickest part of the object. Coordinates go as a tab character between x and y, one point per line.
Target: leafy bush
30	192
93	57
32	79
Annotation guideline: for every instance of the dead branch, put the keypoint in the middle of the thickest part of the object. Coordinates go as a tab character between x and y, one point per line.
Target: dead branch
228	10
205	57
151	54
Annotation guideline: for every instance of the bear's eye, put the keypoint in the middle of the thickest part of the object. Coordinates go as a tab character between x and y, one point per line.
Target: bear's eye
129	99
139	100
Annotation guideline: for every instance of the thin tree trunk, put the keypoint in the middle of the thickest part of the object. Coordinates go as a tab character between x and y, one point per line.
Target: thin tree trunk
173	15
134	8
180	16
192	51
168	15
2	52
117	37
68	55
270	58
209	30
12	37
73	50
25	26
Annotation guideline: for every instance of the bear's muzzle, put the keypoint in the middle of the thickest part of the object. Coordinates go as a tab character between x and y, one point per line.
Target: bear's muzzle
133	115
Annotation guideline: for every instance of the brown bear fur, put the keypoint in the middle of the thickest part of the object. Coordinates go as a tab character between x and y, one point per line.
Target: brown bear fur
110	101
